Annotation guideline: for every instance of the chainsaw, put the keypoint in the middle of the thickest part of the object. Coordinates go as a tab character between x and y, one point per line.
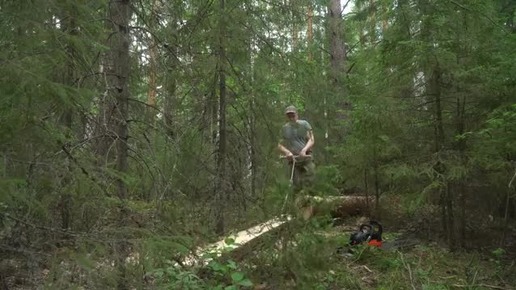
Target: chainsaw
370	234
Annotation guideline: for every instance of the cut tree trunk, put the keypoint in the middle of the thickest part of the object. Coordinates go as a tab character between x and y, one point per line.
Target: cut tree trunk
237	244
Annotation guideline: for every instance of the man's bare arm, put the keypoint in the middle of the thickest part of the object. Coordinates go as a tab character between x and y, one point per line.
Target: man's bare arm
283	149
310	143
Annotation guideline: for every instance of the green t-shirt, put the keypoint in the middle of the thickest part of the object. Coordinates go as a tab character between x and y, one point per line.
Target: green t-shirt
295	135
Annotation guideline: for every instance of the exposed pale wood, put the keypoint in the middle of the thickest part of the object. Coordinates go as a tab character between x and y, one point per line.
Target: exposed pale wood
234	241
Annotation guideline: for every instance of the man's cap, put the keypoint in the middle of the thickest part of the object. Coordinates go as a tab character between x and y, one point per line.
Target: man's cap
290	109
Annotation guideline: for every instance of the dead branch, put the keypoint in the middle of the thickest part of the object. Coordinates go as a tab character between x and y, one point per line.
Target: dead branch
407	266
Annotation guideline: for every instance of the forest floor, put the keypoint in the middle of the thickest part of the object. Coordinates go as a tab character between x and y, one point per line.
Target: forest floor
311	261
303	254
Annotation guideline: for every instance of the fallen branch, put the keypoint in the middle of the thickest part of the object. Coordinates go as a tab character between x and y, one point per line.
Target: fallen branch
407	266
39	227
481	285
512	179
368	270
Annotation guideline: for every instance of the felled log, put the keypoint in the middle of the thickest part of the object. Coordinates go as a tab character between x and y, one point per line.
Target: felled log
337	206
233	242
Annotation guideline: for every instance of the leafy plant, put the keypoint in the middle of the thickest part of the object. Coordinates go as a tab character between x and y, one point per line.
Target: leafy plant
172	277
229	275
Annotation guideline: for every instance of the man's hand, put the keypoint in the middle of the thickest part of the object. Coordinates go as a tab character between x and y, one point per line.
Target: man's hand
285	151
302	153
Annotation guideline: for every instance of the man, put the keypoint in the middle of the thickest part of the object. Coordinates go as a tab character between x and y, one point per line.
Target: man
297	139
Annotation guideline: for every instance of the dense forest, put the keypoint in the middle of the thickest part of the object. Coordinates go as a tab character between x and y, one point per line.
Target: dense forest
137	130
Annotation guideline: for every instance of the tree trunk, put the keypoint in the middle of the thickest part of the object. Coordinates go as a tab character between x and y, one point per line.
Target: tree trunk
221	187
249	180
152	90
291	4
452	237
337	45
310	31
438	113
372	22
117	69
366	186
170	104
439	146
447	195
153	54
69	27
461	148
337	71
251	147
170	84
376	179
433	74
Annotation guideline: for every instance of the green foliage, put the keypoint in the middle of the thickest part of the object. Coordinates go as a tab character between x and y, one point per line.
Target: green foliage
223	276
498	254
328	180
221	271
171	277
496	140
57	189
218	273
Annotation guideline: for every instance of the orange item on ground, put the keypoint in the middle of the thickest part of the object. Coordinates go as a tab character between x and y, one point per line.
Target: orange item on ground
375	243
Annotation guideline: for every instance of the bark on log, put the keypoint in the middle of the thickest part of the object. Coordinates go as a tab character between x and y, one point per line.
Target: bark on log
241	244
